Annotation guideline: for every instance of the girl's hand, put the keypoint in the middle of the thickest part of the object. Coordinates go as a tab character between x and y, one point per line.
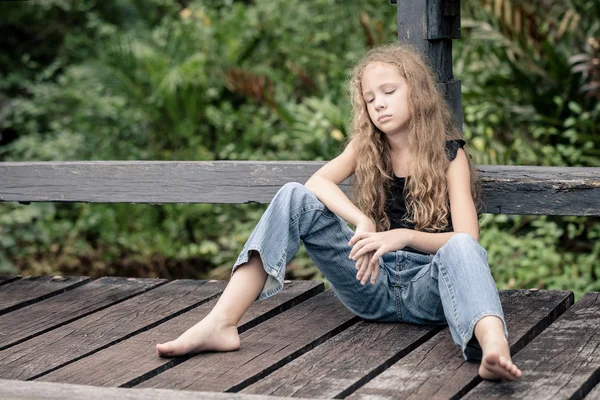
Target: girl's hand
380	243
366	225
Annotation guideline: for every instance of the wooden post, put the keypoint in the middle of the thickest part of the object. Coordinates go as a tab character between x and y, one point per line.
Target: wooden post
430	26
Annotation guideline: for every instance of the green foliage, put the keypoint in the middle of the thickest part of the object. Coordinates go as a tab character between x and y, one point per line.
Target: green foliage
543	252
522	103
224	80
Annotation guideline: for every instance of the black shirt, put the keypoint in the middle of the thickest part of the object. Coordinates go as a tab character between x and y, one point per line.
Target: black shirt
395	206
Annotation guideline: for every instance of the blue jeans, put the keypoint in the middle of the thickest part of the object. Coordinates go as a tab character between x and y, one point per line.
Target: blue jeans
453	286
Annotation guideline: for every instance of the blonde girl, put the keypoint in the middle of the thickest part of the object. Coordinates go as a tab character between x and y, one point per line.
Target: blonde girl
414	256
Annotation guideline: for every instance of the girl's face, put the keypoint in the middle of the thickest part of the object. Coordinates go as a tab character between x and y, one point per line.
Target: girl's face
385	93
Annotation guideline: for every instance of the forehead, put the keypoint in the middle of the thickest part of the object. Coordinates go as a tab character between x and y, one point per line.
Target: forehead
377	72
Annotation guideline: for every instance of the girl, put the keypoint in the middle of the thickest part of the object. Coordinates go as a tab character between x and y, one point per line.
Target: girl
414	256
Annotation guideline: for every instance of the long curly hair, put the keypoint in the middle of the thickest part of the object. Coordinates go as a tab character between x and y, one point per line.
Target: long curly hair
430	125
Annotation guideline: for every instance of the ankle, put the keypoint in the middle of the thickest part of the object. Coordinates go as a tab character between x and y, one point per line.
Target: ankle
494	342
494	337
219	320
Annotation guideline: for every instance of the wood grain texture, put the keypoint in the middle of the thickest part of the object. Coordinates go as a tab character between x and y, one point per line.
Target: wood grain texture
55	311
507	189
87	335
16	390
134	360
345	362
23	292
437	369
8	278
264	349
563	362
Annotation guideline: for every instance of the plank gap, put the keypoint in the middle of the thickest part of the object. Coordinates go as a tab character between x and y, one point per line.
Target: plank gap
51	293
127	336
69	320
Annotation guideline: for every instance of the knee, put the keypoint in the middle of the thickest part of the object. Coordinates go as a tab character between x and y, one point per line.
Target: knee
462	241
291	190
292	186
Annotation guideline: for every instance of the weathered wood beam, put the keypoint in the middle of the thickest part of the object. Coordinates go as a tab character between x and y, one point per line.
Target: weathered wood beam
17	390
507	189
430	26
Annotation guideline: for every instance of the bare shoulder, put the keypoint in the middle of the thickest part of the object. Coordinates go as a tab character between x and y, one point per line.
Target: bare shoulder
342	167
462	207
459	167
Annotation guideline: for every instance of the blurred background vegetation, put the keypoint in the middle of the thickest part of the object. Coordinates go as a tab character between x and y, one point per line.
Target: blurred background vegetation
265	80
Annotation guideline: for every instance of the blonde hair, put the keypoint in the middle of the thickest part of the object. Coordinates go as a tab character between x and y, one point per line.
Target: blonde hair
430	125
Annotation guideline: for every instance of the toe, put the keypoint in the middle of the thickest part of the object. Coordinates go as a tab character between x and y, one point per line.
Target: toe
164	348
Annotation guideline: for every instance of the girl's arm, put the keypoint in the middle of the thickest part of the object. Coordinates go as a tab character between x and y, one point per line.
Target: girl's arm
324	184
462	208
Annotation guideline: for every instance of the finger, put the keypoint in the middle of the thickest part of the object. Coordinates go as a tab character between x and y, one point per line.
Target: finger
358	263
375	269
357	237
375	258
365	249
375	275
368	272
363	267
357	246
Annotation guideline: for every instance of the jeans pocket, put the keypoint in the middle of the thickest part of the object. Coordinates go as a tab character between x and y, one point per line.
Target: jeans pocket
421	273
414	274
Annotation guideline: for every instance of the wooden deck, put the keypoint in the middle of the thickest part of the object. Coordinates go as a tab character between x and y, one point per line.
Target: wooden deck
58	333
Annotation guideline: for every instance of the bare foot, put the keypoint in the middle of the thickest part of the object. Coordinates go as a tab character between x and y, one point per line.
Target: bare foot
496	363
206	335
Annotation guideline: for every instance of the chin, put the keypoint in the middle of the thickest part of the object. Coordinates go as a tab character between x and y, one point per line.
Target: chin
390	129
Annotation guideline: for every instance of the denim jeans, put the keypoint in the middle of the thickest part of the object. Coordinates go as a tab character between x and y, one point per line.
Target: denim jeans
453	286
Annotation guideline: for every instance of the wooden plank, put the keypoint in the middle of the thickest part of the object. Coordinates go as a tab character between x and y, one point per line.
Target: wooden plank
26	291
437	369
16	390
342	364
134	360
264	349
563	362
507	189
87	335
56	311
594	394
8	278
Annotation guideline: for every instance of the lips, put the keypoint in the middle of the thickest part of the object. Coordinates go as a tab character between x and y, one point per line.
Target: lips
383	116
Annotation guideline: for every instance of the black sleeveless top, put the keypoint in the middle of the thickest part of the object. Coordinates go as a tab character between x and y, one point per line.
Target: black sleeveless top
395	205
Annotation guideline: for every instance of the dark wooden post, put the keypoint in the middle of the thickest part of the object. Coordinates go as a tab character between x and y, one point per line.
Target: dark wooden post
430	26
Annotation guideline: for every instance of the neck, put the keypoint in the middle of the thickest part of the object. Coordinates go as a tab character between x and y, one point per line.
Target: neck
399	143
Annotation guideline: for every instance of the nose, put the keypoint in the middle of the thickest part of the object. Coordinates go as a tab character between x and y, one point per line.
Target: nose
380	105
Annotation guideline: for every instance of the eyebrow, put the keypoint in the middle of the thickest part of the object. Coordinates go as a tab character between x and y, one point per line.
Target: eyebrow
382	85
